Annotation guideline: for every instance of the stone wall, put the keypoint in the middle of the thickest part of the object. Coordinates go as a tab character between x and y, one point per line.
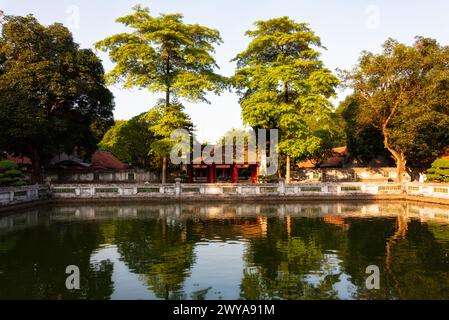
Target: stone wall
353	190
279	191
106	176
17	195
348	174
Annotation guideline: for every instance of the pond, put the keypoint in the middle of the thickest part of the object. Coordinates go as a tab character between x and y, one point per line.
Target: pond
226	251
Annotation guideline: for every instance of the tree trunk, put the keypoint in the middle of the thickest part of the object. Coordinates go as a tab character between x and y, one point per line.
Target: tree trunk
287	170
398	156
400	167
164	170
287	164
167	105
167	84
400	160
36	171
167	98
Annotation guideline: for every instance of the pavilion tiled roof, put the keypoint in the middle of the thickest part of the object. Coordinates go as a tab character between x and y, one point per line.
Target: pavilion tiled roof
107	160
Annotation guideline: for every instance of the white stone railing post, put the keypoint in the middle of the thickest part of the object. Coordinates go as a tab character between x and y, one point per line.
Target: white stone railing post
178	187
281	186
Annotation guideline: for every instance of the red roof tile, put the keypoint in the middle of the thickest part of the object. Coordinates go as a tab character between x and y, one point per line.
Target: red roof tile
107	160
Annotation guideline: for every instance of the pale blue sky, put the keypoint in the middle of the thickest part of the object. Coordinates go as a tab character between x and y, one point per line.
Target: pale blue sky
345	27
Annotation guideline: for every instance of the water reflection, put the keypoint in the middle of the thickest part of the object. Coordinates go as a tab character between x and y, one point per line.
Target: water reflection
226	251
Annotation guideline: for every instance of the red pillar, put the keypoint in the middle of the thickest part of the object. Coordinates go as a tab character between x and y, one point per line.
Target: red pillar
234	174
211	174
254	173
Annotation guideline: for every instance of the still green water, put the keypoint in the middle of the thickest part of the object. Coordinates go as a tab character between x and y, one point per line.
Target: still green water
226	251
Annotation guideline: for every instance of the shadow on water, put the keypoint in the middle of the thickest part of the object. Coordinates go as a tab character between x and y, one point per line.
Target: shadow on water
226	251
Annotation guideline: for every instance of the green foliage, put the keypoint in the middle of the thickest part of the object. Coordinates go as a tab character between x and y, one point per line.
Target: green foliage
403	93
440	163
330	135
13	173
283	84
163	54
10	175
52	93
364	140
439	171
164	120
130	141
7	165
264	178
235	134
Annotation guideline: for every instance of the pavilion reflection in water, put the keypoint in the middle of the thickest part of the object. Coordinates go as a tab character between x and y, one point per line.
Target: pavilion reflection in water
262	251
333	213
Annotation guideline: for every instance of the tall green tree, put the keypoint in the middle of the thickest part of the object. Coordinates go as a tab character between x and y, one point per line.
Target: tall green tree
164	120
52	93
331	134
283	84
130	141
364	140
165	55
403	92
235	135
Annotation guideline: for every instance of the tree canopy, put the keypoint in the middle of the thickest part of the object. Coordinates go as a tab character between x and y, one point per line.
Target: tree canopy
364	141
164	54
164	120
130	141
403	93
283	84
52	93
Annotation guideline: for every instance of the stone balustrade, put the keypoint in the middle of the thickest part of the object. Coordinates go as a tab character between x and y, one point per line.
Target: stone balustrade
298	191
278	190
17	195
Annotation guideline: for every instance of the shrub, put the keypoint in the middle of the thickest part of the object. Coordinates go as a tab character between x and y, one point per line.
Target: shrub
19	183
439	171
6	182
10	175
7	165
13	173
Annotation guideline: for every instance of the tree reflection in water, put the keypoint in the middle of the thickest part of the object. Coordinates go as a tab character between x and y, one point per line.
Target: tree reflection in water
159	252
33	262
291	251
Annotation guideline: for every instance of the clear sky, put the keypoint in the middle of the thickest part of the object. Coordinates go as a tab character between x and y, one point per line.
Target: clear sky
346	28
